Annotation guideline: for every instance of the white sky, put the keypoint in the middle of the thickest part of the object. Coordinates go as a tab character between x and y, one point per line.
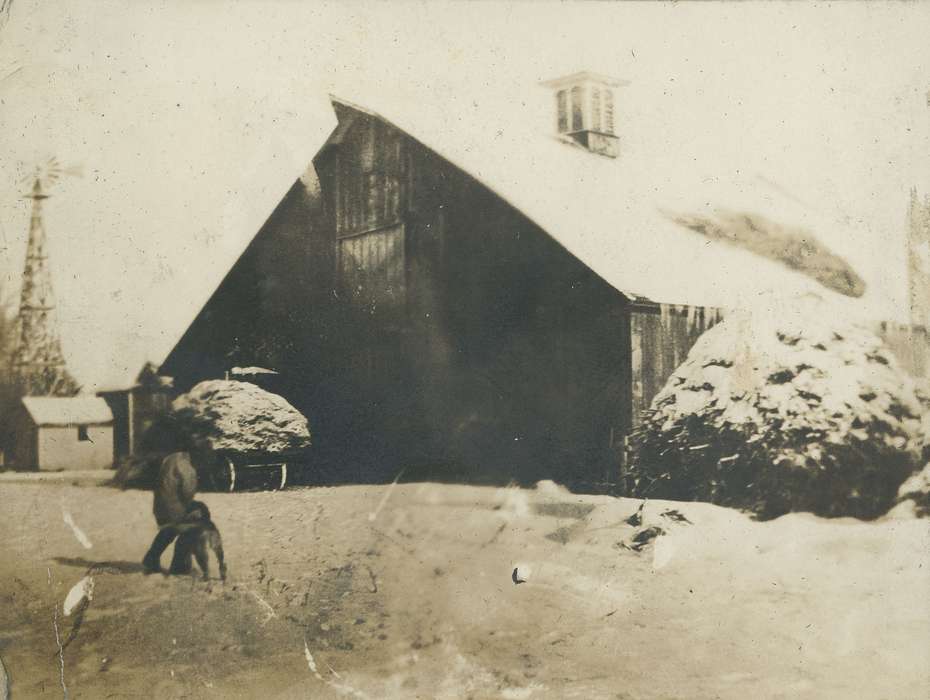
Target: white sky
191	120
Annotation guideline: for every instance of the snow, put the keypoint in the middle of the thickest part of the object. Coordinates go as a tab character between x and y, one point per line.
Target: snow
618	216
75	410
247	371
794	607
914	493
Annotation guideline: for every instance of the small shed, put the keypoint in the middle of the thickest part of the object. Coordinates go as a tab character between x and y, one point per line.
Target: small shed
56	433
136	408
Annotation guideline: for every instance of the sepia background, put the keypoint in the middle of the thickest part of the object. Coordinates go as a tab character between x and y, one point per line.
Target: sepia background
594	526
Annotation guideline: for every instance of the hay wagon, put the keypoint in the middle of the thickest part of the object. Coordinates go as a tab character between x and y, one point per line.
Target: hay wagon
253	471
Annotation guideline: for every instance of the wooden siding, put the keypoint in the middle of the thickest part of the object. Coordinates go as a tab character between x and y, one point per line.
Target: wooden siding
25	441
60	449
661	337
134	411
372	267
372	177
910	345
119	401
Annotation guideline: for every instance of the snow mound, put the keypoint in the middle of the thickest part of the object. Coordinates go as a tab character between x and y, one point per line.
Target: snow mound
788	409
917	490
241	417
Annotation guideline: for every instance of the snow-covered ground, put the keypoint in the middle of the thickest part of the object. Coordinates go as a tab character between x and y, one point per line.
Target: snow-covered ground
408	592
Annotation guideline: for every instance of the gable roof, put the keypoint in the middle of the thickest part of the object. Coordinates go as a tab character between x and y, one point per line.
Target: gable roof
618	216
76	410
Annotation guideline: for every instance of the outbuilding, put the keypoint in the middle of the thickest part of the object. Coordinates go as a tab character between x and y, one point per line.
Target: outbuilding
136	408
55	434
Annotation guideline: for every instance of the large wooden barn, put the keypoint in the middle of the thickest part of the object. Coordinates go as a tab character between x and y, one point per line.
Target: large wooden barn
486	293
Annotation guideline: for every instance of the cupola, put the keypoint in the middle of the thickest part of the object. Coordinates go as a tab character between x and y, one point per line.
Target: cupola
584	110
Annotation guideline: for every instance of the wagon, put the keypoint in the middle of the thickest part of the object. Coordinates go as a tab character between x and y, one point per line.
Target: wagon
253	471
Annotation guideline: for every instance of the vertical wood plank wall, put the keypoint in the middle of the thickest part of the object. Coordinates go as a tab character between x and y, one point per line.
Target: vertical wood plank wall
910	345
372	264
660	341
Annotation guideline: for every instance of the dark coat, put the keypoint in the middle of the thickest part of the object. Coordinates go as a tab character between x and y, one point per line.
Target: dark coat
175	488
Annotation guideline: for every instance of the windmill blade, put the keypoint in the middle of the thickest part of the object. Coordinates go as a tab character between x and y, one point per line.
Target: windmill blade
52	168
50	172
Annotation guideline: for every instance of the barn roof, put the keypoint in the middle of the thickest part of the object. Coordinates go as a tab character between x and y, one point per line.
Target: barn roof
618	216
76	410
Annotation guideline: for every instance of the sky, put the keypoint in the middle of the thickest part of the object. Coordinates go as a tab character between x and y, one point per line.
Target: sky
190	120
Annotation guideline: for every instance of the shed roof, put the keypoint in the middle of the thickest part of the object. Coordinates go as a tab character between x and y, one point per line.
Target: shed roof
618	215
76	410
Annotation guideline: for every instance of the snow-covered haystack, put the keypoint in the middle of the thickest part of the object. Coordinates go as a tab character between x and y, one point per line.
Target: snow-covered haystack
782	410
241	417
914	494
916	490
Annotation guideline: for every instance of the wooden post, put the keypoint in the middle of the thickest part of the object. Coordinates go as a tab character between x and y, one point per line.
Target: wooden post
636	366
130	424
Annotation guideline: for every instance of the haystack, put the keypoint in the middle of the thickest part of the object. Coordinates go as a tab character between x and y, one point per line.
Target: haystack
240	417
782	410
915	492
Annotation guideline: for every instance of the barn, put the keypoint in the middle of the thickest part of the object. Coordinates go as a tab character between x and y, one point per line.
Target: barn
55	433
492	290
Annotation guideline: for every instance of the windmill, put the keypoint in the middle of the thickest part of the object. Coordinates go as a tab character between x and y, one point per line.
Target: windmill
48	173
37	364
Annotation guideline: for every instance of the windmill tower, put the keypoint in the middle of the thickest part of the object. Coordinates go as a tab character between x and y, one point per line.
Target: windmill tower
37	364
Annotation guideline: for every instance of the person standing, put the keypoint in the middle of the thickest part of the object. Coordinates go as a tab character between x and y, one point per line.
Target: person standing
174	491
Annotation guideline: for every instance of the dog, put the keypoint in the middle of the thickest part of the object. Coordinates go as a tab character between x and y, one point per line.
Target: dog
197	535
